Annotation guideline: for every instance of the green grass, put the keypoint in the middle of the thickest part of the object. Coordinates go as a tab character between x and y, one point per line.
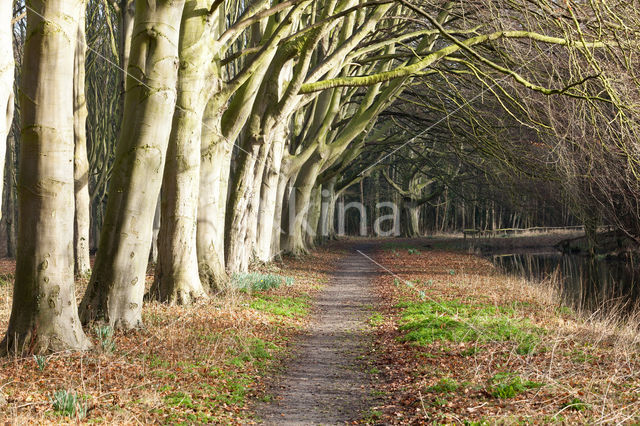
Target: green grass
576	404
430	321
282	306
376	319
255	351
445	385
508	385
372	416
6	280
254	281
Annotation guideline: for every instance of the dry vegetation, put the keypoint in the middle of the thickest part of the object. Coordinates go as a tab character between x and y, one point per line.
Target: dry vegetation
197	364
462	342
457	341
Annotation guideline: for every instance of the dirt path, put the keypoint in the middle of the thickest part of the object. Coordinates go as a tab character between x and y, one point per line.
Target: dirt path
326	382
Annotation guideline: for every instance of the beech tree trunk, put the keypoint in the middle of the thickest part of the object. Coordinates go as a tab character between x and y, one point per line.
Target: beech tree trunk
412	219
177	279
313	217
253	213
116	289
280	217
295	239
6	80
237	208
267	226
127	15
82	220
44	315
212	199
328	211
153	256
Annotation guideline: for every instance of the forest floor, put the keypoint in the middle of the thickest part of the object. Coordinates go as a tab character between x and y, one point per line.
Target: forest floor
461	342
370	331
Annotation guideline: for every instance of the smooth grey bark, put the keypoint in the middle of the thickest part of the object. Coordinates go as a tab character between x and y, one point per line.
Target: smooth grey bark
266	227
116	289
313	217
11	196
212	199
328	210
153	255
6	80
294	241
82	219
127	15
177	280
44	315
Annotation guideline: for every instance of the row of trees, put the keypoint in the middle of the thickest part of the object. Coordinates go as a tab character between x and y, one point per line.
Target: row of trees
237	115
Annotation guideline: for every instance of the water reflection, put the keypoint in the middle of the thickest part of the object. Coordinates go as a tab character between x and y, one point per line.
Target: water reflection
598	284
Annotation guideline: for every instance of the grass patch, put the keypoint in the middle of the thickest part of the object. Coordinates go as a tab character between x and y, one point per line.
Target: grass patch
256	351
428	322
281	306
376	319
508	385
444	385
576	404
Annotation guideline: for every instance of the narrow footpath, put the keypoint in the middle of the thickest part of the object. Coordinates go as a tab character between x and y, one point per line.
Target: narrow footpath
326	381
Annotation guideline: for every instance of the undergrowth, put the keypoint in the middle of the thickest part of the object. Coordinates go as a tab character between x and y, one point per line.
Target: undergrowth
255	281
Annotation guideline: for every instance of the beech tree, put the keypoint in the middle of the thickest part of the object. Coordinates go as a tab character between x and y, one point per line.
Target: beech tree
116	289
6	77
44	313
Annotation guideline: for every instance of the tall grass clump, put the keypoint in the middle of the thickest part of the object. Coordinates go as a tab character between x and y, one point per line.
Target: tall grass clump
255	281
68	403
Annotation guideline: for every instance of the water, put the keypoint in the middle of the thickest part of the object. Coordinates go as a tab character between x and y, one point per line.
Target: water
594	285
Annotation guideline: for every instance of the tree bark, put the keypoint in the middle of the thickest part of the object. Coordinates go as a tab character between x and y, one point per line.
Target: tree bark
127	11
6	80
295	239
10	218
280	217
212	199
313	217
243	185
177	280
44	314
153	255
82	220
116	289
268	192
